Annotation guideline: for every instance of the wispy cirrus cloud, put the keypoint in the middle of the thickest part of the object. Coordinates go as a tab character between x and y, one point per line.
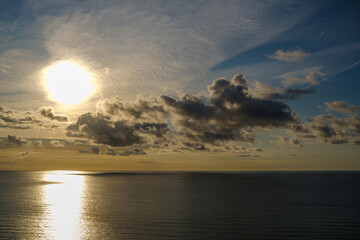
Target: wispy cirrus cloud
181	39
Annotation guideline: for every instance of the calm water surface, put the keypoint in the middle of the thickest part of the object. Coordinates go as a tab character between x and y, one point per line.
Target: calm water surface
256	205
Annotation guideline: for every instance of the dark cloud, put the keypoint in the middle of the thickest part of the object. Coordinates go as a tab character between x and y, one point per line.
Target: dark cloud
110	152
49	112
95	150
102	130
149	110
234	106
289	93
157	129
132	151
195	146
248	155
342	107
231	114
16	140
123	124
330	129
25	154
189	106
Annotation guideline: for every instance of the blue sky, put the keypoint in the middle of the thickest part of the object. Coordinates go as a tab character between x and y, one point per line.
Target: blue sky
304	55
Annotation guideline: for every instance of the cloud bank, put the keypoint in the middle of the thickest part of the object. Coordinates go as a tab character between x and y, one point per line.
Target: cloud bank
229	115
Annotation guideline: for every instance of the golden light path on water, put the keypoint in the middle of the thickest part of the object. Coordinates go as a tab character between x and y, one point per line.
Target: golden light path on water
63	198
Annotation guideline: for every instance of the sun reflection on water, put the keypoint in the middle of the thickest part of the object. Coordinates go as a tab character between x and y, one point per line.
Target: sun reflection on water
64	205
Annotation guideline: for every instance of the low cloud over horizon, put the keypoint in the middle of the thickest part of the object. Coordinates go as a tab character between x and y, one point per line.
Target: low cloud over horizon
230	114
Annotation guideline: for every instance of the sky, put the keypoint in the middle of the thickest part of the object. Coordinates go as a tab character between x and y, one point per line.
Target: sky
179	85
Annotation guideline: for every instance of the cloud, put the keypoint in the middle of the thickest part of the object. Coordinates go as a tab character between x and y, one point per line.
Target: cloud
285	141
230	114
95	150
49	112
330	129
133	151
102	130
303	76
27	120
12	119
16	140
25	154
149	110
120	124
342	107
38	143
247	155
110	152
56	143
289	56
275	93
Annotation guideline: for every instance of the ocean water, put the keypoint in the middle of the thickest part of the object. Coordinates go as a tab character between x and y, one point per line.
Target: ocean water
246	205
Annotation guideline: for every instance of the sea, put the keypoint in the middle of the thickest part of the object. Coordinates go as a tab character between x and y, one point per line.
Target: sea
180	205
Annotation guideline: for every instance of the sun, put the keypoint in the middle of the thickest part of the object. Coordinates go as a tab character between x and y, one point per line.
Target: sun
68	82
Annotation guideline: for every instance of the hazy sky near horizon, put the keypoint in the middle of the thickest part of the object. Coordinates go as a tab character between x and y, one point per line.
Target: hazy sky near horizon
179	85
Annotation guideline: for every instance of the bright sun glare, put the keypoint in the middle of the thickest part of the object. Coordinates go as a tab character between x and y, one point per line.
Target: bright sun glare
68	83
